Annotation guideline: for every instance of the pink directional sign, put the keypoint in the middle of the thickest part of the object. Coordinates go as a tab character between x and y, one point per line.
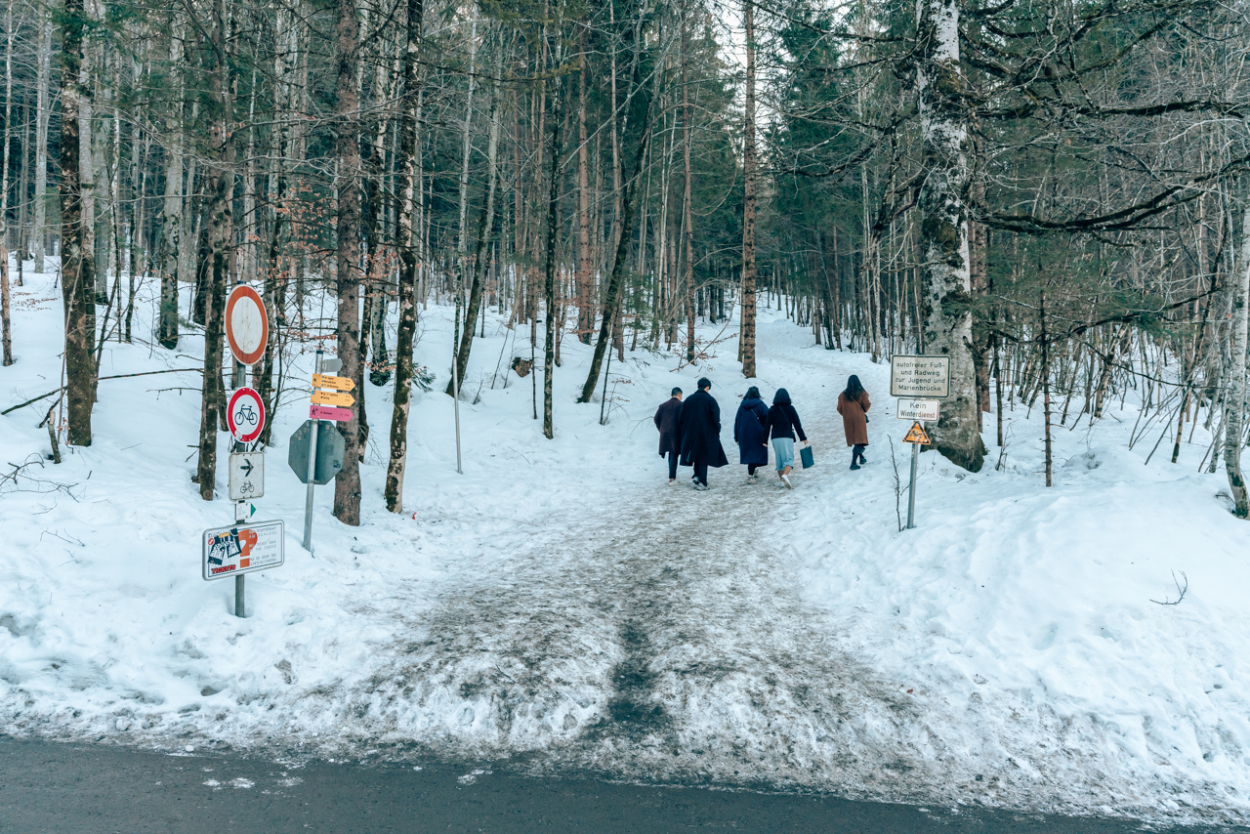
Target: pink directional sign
329	412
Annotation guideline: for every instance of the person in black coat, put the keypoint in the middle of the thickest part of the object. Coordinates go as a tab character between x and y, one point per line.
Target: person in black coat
666	419
751	432
699	424
783	422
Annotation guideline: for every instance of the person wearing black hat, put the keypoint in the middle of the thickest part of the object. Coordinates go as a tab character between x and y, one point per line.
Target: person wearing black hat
666	417
699	429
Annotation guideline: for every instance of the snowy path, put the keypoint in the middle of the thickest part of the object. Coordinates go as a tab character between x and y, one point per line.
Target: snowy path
661	632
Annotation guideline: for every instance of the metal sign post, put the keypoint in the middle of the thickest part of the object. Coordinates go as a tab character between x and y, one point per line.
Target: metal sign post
323	460
917	437
247	333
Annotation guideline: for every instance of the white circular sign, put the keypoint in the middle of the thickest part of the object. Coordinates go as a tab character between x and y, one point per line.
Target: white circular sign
247	326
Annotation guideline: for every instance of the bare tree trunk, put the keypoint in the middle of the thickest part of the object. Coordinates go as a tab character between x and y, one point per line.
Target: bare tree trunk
408	242
944	227
549	288
41	138
585	317
77	287
6	335
220	234
347	262
171	225
686	215
485	230
747	342
1235	417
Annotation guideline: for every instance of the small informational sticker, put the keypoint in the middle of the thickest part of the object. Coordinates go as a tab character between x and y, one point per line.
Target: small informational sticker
242	548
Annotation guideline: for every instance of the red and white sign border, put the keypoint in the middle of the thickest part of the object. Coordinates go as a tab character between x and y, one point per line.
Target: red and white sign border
242	291
236	431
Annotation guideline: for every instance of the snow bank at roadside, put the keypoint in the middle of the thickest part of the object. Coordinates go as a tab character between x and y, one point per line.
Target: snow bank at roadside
1016	620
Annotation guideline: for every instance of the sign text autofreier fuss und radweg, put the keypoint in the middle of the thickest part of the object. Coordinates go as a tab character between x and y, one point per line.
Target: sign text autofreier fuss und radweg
920	376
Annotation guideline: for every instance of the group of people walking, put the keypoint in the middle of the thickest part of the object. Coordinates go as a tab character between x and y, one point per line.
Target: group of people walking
690	431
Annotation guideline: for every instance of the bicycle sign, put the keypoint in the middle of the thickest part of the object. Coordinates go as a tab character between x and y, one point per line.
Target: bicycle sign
245	415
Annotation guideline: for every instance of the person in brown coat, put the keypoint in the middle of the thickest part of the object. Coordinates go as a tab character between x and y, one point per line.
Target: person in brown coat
853	405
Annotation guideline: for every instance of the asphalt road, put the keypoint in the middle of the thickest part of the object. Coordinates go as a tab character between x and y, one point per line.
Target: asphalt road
85	789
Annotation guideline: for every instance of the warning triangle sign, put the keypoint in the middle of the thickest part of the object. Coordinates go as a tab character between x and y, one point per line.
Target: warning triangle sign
916	435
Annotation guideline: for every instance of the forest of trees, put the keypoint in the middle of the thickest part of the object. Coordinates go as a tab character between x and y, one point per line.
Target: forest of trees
1051	192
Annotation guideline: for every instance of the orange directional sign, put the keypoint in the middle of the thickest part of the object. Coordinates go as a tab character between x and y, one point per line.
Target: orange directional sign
338	383
916	435
332	398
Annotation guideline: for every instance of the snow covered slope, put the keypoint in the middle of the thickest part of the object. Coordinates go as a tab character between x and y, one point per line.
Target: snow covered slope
560	599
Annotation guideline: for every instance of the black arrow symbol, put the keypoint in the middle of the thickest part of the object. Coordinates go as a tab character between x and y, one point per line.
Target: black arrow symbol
247	467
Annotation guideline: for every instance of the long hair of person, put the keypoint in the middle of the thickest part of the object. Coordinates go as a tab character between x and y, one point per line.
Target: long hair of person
782	397
853	388
753	393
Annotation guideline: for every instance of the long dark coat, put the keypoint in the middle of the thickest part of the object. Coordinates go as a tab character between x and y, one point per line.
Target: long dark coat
699	423
666	417
751	432
853	420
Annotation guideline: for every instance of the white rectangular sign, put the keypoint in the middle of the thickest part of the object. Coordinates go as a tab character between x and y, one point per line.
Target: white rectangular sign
923	410
247	475
242	548
920	376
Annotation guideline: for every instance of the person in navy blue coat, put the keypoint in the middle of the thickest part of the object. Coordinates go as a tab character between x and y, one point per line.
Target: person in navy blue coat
699	427
666	419
751	432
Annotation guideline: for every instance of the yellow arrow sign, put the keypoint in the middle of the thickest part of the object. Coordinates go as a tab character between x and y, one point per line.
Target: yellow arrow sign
916	435
332	398
338	383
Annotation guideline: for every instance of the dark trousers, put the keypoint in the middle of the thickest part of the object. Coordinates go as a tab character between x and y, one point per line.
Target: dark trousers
858	452
672	465
700	472
751	467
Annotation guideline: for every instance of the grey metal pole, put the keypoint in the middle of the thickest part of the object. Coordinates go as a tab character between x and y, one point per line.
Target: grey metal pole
911	495
240	609
312	471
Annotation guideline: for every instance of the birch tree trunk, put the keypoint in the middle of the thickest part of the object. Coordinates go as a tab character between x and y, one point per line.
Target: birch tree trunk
748	202
942	202
347	262
549	287
1235	417
77	288
40	235
171	224
409	236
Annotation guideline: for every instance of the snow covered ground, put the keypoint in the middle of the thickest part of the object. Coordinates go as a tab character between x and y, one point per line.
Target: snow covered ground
560	600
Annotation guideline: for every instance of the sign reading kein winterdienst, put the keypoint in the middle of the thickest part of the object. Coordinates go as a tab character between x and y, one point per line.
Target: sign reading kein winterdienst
920	376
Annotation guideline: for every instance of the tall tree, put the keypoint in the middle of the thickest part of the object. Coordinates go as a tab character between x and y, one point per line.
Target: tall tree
408	243
347	261
945	276
748	200
77	288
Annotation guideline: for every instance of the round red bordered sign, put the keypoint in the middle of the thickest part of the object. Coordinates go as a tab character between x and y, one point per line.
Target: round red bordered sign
247	326
245	415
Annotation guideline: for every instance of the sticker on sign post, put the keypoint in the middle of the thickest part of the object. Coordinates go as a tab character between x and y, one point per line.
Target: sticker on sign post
924	410
920	376
245	416
917	434
247	325
242	548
